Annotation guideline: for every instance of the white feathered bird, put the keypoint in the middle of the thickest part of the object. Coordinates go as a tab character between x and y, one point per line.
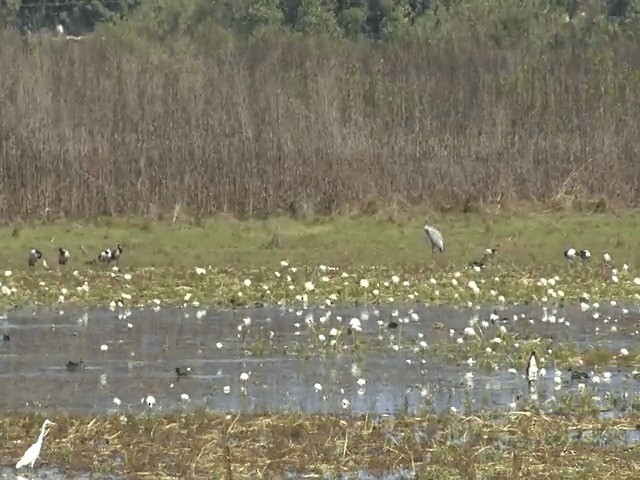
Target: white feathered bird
33	452
532	367
435	238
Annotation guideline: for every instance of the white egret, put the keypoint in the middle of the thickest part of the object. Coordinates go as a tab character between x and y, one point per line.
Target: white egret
532	367
435	238
63	256
33	452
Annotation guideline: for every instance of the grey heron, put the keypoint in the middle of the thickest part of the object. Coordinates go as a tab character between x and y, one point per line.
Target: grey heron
435	238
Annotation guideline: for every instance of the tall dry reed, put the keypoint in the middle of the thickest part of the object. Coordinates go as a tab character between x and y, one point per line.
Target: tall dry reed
281	125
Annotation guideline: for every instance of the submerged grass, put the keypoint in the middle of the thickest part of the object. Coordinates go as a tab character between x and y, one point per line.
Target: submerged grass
371	259
204	445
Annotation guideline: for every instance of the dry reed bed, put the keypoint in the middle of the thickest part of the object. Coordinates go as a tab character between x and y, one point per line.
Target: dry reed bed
306	126
520	445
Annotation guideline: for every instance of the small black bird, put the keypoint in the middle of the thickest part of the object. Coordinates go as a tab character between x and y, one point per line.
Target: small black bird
6	337
73	366
478	265
183	372
575	375
34	256
584	255
63	256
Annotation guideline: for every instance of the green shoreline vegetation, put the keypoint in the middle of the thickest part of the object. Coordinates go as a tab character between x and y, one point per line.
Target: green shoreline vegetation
326	260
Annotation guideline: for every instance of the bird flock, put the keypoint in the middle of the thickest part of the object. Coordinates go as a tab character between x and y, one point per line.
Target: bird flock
105	257
436	241
434	237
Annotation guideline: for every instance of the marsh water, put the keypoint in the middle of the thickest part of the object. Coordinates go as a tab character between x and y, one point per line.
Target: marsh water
275	359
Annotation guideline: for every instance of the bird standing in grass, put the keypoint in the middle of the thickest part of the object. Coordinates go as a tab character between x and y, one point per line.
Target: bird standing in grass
33	452
115	253
105	256
435	238
570	253
34	256
478	265
63	256
584	254
532	367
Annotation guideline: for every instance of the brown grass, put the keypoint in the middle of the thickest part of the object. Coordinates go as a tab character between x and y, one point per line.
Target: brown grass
522	445
302	126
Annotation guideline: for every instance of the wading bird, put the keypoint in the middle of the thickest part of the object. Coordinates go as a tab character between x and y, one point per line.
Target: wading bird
34	256
532	367
33	452
63	256
570	253
435	238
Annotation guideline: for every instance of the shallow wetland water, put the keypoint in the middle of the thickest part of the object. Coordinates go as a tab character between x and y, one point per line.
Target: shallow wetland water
272	359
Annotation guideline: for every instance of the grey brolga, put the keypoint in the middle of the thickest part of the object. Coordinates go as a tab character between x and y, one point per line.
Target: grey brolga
435	238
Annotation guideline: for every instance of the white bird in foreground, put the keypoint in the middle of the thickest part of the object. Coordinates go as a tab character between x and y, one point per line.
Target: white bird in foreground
532	367
33	452
435	238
